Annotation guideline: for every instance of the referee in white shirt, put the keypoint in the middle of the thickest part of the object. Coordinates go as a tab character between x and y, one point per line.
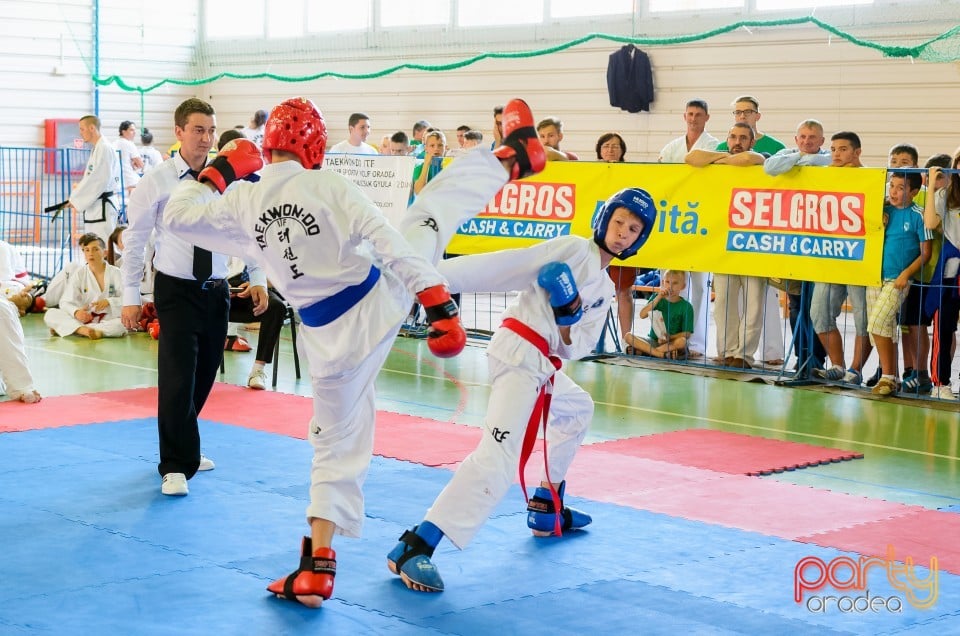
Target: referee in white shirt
191	295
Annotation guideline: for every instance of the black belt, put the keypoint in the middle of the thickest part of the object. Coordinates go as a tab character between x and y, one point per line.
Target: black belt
213	283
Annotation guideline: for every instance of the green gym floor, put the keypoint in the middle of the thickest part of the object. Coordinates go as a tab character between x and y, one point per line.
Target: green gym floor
910	447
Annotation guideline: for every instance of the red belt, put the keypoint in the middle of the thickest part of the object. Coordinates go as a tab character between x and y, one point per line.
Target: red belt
541	409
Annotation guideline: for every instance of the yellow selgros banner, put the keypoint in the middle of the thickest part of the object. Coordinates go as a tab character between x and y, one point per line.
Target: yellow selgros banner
819	224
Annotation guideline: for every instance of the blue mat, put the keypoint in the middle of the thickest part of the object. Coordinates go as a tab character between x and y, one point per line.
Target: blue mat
91	546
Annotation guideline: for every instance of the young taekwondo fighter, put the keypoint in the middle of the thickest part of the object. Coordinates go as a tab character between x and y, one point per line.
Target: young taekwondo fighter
352	276
561	309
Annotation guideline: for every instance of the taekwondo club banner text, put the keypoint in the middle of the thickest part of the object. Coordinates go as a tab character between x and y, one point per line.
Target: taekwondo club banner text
819	224
385	179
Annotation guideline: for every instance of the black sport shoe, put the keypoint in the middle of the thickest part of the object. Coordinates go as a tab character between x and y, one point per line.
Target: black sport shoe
872	381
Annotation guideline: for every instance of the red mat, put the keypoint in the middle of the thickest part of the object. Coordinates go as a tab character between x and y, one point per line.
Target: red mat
423	441
919	534
68	410
726	452
404	437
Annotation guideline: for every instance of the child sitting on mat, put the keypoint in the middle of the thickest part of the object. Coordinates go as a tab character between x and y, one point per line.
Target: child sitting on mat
90	306
671	321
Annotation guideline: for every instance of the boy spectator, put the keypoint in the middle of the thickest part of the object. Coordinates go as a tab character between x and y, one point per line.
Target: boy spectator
434	146
399	144
942	211
827	300
913	322
91	304
420	128
903	156
906	247
472	139
671	321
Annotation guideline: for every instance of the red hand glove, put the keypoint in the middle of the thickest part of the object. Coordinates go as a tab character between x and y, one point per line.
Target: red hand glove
236	160
154	329
445	337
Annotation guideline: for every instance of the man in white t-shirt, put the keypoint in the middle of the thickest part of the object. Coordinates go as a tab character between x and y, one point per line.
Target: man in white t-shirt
355	144
696	115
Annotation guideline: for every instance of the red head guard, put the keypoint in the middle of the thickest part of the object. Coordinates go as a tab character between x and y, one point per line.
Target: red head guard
296	126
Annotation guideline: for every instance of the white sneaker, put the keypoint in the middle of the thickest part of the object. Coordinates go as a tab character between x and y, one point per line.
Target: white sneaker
852	377
257	380
206	463
174	484
943	393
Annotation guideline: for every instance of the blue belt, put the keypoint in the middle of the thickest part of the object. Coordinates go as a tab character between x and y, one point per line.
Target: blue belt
325	311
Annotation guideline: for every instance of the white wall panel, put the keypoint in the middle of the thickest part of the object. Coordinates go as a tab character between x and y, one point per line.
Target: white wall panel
48	63
796	72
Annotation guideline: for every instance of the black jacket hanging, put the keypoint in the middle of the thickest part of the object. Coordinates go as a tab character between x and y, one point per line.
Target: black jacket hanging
630	79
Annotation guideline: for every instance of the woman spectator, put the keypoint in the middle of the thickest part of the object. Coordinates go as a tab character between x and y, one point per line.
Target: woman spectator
611	148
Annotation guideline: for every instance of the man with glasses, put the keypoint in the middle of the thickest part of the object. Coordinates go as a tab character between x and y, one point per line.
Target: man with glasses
746	109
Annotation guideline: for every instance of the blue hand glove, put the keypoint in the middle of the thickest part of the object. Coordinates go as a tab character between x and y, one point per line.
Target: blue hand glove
558	280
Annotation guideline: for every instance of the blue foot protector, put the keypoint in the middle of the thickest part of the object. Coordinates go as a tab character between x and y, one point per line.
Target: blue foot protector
541	515
410	558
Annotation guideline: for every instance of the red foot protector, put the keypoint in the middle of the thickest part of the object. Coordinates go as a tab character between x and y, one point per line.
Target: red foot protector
313	580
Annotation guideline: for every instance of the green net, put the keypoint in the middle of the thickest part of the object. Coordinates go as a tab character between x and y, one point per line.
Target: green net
942	48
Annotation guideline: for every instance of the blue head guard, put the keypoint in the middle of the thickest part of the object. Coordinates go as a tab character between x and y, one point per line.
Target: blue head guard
640	203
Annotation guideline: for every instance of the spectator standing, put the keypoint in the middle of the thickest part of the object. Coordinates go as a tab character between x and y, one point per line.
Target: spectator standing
131	161
696	114
97	194
356	143
151	156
